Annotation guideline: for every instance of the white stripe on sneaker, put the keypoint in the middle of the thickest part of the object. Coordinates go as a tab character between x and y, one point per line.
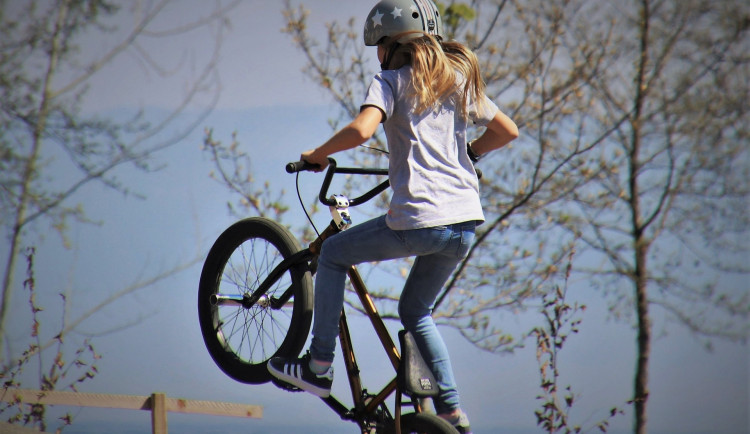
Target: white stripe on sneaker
297	373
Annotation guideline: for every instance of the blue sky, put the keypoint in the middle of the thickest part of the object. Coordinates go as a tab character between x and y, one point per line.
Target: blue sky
277	113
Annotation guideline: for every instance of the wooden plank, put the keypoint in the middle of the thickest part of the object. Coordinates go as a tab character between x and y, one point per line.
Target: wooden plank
77	399
177	405
132	402
7	428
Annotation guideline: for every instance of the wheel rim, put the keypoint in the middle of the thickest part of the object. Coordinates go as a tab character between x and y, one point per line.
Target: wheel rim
253	335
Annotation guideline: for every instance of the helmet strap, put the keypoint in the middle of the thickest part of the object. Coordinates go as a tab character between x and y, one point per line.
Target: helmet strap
389	53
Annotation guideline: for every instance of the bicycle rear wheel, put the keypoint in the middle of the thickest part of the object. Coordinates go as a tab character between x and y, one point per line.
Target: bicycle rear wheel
242	338
425	423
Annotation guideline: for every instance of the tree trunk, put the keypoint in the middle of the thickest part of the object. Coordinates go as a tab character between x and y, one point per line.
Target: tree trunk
644	342
29	174
640	244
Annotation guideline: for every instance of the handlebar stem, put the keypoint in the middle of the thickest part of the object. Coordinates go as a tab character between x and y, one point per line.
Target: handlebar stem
333	169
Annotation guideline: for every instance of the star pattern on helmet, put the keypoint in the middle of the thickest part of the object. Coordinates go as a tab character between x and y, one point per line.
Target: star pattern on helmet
377	19
396	12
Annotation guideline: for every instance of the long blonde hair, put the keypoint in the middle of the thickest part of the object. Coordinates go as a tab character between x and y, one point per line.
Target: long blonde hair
434	67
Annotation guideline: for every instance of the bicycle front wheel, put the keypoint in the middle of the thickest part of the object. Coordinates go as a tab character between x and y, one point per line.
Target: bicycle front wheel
240	337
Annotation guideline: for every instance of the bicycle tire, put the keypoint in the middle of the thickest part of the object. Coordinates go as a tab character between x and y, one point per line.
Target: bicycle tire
241	340
422	423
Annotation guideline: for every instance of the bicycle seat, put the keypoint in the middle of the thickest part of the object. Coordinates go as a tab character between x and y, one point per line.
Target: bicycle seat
415	379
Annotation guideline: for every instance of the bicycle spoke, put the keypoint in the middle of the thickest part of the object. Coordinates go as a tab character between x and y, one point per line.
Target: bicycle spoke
240	337
255	333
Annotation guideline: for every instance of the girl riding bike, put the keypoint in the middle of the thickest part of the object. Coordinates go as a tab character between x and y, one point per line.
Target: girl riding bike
425	96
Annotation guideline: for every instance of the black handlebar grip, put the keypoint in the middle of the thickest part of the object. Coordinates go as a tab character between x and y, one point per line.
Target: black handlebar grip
299	166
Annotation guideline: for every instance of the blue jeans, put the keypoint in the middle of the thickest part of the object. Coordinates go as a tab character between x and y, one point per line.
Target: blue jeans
438	250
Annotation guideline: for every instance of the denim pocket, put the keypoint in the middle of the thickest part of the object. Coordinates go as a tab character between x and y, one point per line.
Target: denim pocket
467	238
425	241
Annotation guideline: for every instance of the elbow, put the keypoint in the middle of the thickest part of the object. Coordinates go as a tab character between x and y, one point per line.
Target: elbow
363	127
506	135
512	132
510	129
503	129
359	134
361	131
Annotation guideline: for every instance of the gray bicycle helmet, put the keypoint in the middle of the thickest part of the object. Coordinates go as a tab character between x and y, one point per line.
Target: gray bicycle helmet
391	17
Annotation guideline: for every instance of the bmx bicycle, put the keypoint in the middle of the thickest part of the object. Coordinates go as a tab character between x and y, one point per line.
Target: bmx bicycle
255	302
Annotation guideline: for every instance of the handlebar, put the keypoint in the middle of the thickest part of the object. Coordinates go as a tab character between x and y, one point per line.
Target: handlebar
299	166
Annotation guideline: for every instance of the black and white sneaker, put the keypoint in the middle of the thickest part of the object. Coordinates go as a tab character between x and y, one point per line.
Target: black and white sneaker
461	423
297	373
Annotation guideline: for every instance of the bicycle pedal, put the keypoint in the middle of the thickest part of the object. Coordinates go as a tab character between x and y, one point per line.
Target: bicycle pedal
285	386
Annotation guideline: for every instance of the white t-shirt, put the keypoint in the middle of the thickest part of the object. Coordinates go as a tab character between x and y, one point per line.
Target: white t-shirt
432	177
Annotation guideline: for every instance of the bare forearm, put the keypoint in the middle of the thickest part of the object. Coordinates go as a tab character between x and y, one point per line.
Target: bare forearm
351	136
500	131
345	139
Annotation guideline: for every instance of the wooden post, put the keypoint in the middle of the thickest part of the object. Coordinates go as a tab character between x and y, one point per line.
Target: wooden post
158	413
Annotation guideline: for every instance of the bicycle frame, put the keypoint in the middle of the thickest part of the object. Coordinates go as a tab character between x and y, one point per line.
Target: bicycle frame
366	406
